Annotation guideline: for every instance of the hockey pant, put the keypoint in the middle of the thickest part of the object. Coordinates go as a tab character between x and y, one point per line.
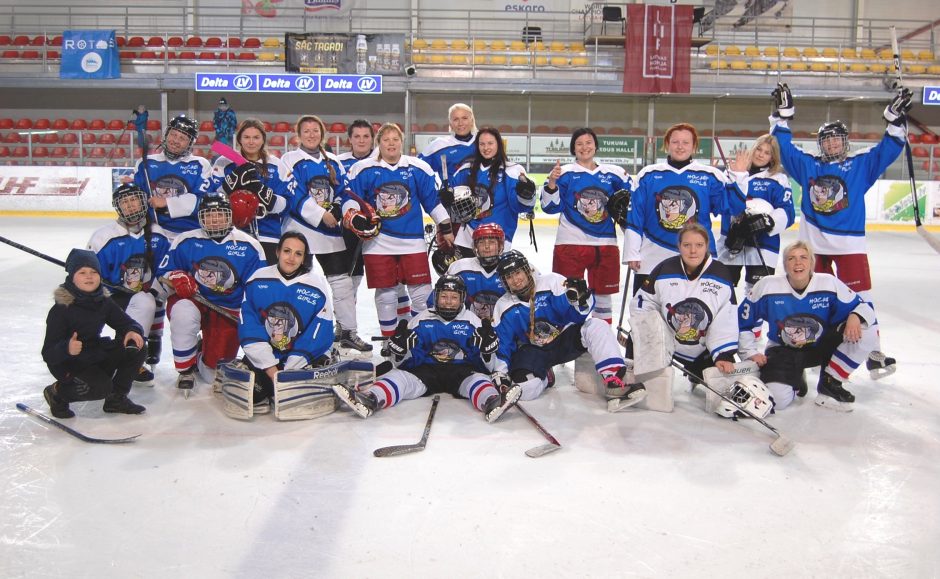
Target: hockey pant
112	375
458	380
219	337
387	304
783	373
530	364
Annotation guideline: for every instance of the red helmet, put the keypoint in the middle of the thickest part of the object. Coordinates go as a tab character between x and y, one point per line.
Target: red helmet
489	231
244	208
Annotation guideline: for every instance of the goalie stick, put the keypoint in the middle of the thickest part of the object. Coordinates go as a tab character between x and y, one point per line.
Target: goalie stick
410	448
544	449
84	438
780	446
932	241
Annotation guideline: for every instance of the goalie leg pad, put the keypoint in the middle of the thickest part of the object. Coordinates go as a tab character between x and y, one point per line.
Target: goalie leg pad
586	378
238	388
658	390
723	382
653	342
300	395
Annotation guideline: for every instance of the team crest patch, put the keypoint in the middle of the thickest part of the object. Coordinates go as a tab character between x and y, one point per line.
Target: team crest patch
591	203
676	206
800	331
282	324
828	195
689	318
216	274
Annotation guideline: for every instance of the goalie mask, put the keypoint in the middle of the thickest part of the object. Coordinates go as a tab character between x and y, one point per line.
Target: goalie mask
488	231
449	306
749	393
511	262
130	202
464	208
184	125
215	215
833	141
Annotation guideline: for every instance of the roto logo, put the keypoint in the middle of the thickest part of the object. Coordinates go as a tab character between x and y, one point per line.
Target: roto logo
242	82
305	83
367	84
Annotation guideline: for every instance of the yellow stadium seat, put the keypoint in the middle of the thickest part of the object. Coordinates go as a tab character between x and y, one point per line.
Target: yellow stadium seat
925	55
839	67
438	59
559	61
498	45
458	59
799	67
577	47
771	51
541	60
829	52
810	52
459	44
774	65
479	44
819	67
933	69
271	42
878	68
517	46
579	61
419	58
537	46
907	55
791	52
732	50
267	57
718	64
885	54
479	59
759	65
420	44
915	68
498	59
558	46
751	51
858	67
848	53
438	44
738	65
519	60
868	54
712	50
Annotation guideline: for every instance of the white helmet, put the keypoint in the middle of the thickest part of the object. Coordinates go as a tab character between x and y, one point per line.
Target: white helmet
749	393
464	208
758	206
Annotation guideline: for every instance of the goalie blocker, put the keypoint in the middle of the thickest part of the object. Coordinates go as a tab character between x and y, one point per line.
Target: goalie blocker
298	394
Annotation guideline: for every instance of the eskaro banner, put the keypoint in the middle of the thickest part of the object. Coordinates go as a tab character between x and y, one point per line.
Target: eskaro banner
344	53
89	54
658	49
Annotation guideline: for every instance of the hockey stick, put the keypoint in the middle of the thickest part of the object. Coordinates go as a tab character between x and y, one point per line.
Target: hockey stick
409	448
780	446
75	433
623	309
544	449
932	241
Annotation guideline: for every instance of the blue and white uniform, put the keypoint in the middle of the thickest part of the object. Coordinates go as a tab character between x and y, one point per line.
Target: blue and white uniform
496	203
457	150
312	198
581	199
347	159
286	323
484	288
182	182
775	190
278	179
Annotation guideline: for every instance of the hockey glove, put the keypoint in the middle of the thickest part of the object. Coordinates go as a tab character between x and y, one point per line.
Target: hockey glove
577	292
404	340
618	205
783	101
442	258
362	226
737	235
446	195
896	111
245	177
184	284
757	223
525	189
485	339
336	210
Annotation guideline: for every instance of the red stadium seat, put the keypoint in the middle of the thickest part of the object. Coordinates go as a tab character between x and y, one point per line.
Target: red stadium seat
55	41
175	41
926	166
920	152
616	131
125	139
6	123
234	42
246	56
155	41
98	153
116	125
282	127
42	124
10	54
200	153
340	128
293	141
88	138
75	153
561	130
912	138
148	55
206	127
120	153
428	128
268	127
21	40
107	139
40	152
4	151
252	43
202	140
69	139
59	152
929	139
207	56
376	127
277	141
136	42
29	54
120	41
127	55
38	41
213	42
276	153
20	152
60	124
187	55
504	128
50	139
153	125
53	55
12	138
5	40
194	42
25	124
541	129
600	130
97	125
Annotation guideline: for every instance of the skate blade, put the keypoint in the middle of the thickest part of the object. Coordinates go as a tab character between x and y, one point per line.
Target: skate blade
354	353
542	450
879	373
618	404
186	392
833	404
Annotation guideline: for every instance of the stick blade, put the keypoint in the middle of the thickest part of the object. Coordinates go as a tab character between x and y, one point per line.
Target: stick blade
781	445
397	450
931	240
542	450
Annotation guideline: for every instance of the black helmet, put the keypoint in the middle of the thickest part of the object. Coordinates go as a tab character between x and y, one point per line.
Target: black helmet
508	263
454	283
128	215
835	129
185	125
211	202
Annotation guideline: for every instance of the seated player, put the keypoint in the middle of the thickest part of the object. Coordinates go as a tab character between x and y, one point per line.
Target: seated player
814	320
207	265
543	320
446	349
85	364
129	249
479	273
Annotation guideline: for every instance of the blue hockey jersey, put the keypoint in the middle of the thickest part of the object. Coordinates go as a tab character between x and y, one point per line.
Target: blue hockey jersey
313	197
496	203
457	151
278	179
444	342
775	190
182	182
581	199
123	255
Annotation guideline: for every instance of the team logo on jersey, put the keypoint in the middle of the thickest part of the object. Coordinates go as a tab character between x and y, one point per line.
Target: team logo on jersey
591	203
320	191
216	274
135	273
482	304
689	318
392	200
169	186
800	331
676	205
544	332
828	194
282	324
483	199
446	351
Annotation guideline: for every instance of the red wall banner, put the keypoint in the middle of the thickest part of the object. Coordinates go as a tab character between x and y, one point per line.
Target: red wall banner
658	49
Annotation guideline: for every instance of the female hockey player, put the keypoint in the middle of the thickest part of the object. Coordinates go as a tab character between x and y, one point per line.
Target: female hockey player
442	350
214	262
265	176
834	186
543	320
286	318
129	251
177	178
315	211
388	193
499	187
479	273
693	294
668	195
586	239
86	365
814	320
751	241
457	147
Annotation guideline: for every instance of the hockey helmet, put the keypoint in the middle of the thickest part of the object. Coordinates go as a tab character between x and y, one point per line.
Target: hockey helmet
215	215
130	213
464	208
454	283
489	231
244	208
838	131
510	262
185	125
749	393
758	206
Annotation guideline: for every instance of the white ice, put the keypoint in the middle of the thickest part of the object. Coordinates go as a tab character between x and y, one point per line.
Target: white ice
631	494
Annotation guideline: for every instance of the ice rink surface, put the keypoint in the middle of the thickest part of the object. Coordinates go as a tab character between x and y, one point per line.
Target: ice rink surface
634	494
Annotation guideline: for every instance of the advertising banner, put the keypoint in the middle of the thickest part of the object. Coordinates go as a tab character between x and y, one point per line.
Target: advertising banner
344	53
89	54
658	49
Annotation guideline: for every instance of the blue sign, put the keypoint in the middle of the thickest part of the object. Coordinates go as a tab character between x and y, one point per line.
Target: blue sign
931	95
89	54
290	83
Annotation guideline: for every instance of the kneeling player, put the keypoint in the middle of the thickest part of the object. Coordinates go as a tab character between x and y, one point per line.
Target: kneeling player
442	350
542	320
814	320
479	273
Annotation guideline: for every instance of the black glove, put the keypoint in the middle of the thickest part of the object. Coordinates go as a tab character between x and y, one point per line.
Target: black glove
404	340
737	235
756	223
336	210
245	177
485	339
783	101
896	111
577	292
446	195
618	206
525	189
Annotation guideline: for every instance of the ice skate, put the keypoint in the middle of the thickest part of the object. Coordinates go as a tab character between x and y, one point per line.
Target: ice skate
186	382
350	341
144	377
362	403
880	365
496	405
831	394
621	395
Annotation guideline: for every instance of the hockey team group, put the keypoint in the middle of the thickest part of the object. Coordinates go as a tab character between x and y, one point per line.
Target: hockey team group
265	255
